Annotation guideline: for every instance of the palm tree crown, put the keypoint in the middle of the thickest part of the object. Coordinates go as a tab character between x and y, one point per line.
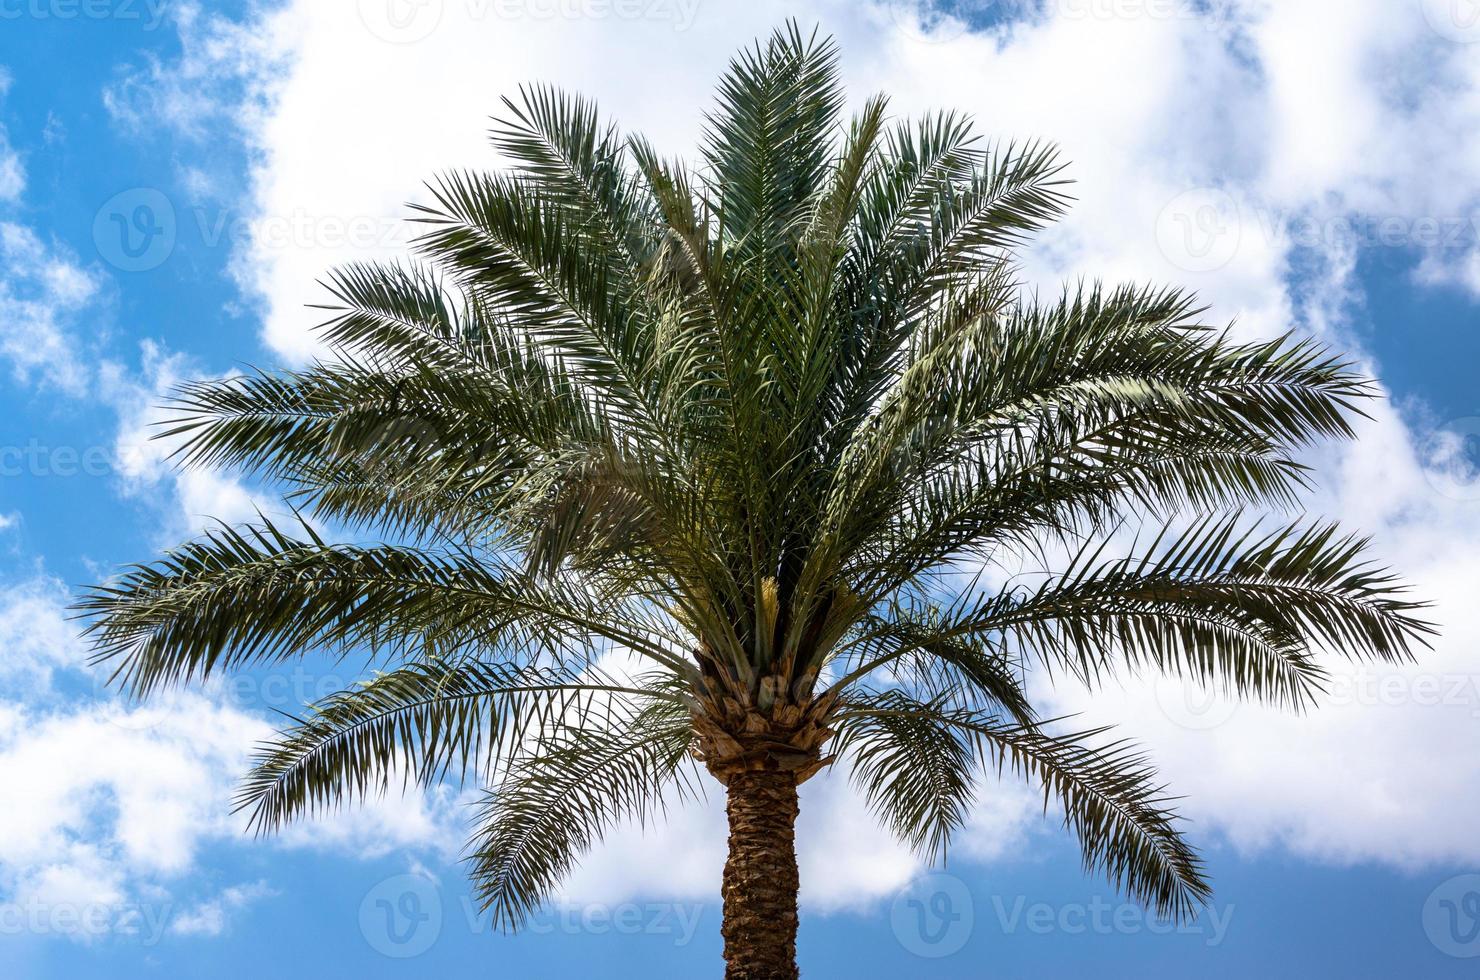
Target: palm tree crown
783	429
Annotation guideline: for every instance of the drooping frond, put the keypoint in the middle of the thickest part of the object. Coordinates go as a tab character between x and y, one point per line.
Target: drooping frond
575	784
1222	602
421	723
1107	792
917	775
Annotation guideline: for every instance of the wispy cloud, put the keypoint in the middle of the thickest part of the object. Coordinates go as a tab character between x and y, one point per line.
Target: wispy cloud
210	917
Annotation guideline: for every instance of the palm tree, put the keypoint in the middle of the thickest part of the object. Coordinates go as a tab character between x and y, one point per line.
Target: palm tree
758	465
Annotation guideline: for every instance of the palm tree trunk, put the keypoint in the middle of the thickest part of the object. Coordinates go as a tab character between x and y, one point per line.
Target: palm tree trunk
760	883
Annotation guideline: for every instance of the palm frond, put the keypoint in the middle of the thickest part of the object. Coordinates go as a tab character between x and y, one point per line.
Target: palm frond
579	782
423	723
237	596
1108	792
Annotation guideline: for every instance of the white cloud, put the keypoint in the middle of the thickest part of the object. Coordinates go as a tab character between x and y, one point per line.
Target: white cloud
44	294
846	859
209	918
219	56
429	821
35	634
109	802
41	288
1208	151
1380	771
1454	269
163	771
196	497
111	806
12	173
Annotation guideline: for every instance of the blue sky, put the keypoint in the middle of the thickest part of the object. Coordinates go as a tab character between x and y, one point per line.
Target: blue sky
174	178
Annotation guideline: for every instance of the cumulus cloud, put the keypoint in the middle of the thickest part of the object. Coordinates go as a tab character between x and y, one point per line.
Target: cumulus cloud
12	174
1249	150
41	289
112	804
44	294
107	801
846	859
35	633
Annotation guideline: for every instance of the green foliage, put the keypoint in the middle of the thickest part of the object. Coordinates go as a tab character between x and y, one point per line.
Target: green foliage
744	422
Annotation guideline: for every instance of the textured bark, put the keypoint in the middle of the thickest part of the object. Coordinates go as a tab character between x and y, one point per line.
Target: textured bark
760	883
